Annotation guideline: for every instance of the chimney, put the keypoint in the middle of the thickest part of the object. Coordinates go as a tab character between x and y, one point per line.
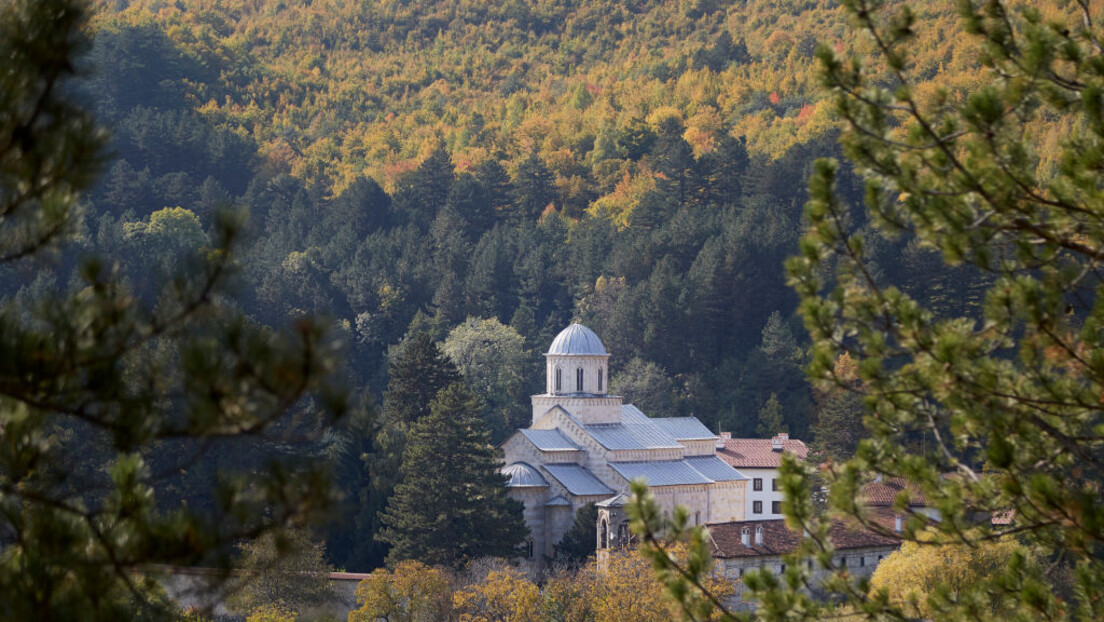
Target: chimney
759	536
776	442
722	437
745	537
897	523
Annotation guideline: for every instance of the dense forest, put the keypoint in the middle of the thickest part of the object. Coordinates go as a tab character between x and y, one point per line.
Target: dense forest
405	166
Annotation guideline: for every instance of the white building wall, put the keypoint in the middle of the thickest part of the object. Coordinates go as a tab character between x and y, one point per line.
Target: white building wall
766	495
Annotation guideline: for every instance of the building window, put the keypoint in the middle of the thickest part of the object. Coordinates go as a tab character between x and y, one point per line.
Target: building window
599	379
697	518
559	380
603	538
781	568
529	548
757	507
757	483
843	561
774	484
862	560
579	380
776	507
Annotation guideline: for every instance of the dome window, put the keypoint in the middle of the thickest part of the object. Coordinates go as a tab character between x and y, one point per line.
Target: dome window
579	380
599	379
559	380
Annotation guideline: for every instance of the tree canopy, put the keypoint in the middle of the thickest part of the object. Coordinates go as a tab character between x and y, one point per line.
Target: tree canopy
101	388
988	404
451	505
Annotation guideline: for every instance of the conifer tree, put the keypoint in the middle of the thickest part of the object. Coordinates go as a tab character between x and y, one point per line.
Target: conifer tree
580	542
1008	404
770	418
451	505
94	382
533	189
417	372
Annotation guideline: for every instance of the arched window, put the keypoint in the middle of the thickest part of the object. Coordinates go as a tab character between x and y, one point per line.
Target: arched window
697	518
603	539
529	547
559	380
579	380
599	379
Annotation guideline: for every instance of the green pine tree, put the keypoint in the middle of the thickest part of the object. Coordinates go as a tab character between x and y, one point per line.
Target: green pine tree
417	372
96	384
839	427
451	506
770	418
580	542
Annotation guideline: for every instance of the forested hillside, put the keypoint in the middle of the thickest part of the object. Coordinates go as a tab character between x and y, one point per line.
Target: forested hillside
638	166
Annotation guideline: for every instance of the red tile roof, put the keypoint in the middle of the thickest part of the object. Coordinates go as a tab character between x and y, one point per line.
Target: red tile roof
756	453
779	539
884	493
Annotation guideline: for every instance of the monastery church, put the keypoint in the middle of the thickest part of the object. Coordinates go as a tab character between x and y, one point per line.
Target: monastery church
586	446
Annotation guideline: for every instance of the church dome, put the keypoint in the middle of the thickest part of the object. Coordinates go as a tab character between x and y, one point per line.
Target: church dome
522	474
577	339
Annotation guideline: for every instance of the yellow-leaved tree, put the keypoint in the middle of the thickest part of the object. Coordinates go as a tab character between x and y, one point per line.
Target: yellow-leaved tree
929	580
413	592
503	596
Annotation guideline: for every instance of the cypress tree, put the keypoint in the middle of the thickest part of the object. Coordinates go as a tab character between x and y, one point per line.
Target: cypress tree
451	506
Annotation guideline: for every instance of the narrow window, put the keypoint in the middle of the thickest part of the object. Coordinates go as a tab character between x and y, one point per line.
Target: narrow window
579	380
559	380
529	547
757	507
774	484
604	538
843	561
697	518
776	507
862	560
599	379
757	483
781	568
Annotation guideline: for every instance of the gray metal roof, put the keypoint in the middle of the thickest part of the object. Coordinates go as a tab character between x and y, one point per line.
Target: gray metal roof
577	339
557	501
714	468
522	474
577	480
549	440
636	431
685	428
661	473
